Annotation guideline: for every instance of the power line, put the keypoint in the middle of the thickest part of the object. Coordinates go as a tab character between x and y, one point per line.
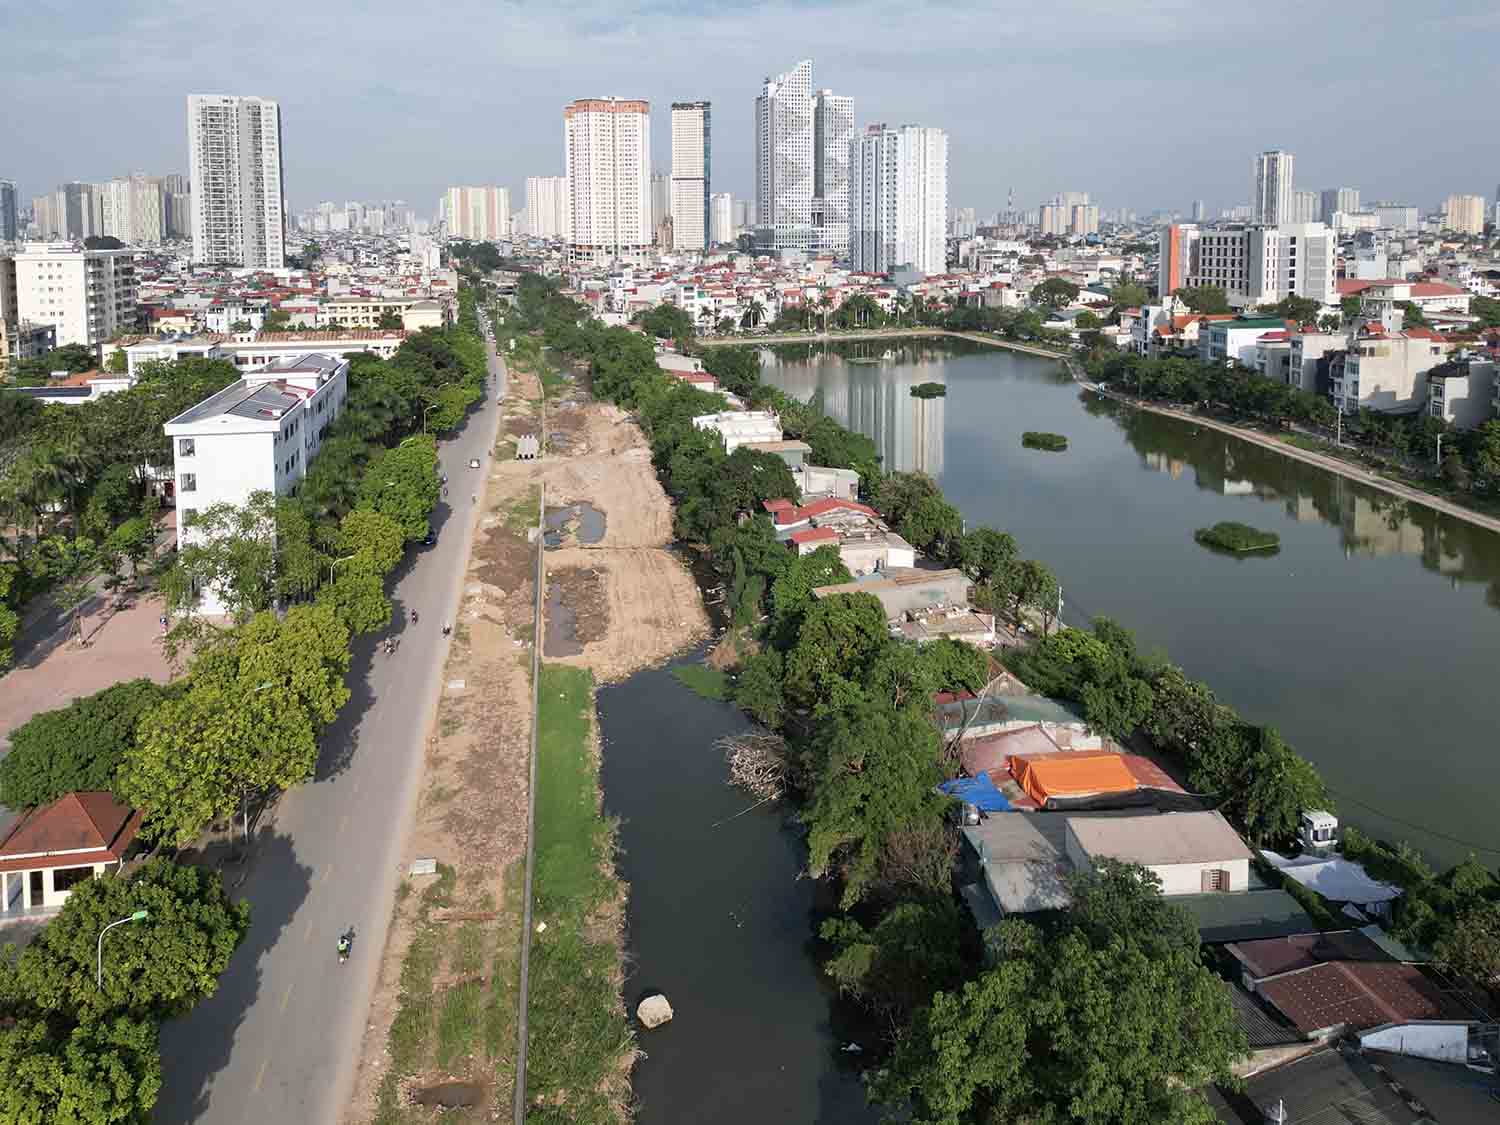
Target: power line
1416	827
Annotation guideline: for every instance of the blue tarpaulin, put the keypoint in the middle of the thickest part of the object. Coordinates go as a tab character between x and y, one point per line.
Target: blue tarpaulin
978	791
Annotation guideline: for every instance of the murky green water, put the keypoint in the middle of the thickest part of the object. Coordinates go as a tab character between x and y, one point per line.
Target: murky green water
1371	640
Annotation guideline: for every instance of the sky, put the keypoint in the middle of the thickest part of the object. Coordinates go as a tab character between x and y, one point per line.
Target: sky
1144	104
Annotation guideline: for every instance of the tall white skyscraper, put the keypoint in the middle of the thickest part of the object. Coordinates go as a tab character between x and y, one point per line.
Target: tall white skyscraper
547	206
1464	213
833	129
238	197
480	214
692	153
608	151
785	175
898	199
721	217
133	210
1272	201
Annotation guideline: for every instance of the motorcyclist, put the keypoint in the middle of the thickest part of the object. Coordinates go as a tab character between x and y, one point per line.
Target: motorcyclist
345	941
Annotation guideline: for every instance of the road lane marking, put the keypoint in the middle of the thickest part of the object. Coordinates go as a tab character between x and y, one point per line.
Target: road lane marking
327	871
285	996
260	1075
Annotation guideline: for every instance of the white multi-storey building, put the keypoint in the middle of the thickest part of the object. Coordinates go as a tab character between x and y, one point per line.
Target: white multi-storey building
608	152
256	435
833	129
1306	207
547	206
132	209
785	173
480	214
1333	200
1272	202
898	199
1397	216
1464	214
1261	265
88	295
692	153
238	197
721	217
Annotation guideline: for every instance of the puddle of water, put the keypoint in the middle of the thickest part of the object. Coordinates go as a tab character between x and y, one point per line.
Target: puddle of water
585	521
450	1095
560	626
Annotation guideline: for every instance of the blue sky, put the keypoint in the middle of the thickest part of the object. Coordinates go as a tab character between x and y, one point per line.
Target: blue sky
1142	104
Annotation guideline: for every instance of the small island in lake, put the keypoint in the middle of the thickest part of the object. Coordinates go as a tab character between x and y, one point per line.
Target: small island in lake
1039	439
1237	537
929	390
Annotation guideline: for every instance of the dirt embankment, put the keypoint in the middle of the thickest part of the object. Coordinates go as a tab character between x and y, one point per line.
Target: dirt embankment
620	599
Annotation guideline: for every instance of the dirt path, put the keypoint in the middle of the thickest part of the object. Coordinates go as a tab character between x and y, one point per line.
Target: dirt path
445	1001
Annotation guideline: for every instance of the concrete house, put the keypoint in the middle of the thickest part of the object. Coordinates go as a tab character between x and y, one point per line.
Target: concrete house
1191	852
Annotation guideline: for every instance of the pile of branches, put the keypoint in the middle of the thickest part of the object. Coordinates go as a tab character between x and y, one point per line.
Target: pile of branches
757	763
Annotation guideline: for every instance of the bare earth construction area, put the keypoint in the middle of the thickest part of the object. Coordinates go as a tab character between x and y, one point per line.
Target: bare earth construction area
441	1034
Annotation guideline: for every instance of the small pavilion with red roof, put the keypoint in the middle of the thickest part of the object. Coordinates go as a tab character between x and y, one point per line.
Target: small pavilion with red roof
52	849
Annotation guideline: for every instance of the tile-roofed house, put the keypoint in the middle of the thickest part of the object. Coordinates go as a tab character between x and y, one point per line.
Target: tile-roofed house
1325	999
54	847
1268	958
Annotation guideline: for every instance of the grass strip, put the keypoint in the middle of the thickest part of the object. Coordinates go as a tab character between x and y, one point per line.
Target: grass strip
710	683
580	1046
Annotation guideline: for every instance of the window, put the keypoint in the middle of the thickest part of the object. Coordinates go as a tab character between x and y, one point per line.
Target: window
1216	879
189	482
186	447
66	878
187	516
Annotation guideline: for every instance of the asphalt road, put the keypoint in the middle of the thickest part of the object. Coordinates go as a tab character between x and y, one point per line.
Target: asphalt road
280	1039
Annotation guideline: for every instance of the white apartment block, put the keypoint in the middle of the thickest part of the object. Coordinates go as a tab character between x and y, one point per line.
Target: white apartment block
1464	214
1306	207
898	199
721	217
1261	265
1386	369
479	214
692	151
1337	199
1272	201
607	144
547	206
257	435
132	210
785	172
1397	216
833	129
1462	392
238	196
88	295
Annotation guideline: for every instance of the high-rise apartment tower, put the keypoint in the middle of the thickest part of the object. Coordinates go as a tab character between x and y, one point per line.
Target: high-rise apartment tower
692	158
238	197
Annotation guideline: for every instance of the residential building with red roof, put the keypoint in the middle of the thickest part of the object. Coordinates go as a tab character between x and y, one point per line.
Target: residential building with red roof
52	849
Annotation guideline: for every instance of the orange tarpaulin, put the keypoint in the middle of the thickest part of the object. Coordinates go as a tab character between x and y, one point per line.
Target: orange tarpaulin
1074	773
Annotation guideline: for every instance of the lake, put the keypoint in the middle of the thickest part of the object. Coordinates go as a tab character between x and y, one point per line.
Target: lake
1371	640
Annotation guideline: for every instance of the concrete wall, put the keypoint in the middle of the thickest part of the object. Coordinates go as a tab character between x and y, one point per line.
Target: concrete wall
1445	1042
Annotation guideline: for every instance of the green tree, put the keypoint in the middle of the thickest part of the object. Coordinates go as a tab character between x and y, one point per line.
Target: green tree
157	968
1412	316
791	592
1487	451
402	483
256	698
838	639
389	320
1054	293
933	526
896	966
1472	948
100	1073
668	322
118	362
1487	309
1207	299
759	687
874	769
1129	295
1276	785
357	598
276	320
1298	310
984	552
1089	1025
1086	322
133	539
896	494
75	748
377	541
234	552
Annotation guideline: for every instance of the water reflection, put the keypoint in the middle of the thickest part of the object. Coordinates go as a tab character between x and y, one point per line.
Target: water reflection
1371	523
867	387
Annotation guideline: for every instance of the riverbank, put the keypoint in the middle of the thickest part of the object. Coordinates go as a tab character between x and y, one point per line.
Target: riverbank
1325	461
1278	443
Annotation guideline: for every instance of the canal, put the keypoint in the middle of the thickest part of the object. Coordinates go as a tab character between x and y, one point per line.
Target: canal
1371	640
721	921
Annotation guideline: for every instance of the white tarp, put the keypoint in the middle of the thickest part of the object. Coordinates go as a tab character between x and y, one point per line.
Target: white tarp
1338	879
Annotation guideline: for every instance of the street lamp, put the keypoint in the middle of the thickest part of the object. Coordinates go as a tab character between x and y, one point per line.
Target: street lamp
1439	451
138	916
335	563
427	411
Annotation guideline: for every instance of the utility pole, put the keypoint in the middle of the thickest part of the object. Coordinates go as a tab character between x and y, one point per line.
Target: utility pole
1439	462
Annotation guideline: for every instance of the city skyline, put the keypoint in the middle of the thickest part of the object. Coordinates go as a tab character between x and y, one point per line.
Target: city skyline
400	134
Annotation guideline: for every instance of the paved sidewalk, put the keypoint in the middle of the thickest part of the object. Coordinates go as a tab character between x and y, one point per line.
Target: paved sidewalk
51	669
